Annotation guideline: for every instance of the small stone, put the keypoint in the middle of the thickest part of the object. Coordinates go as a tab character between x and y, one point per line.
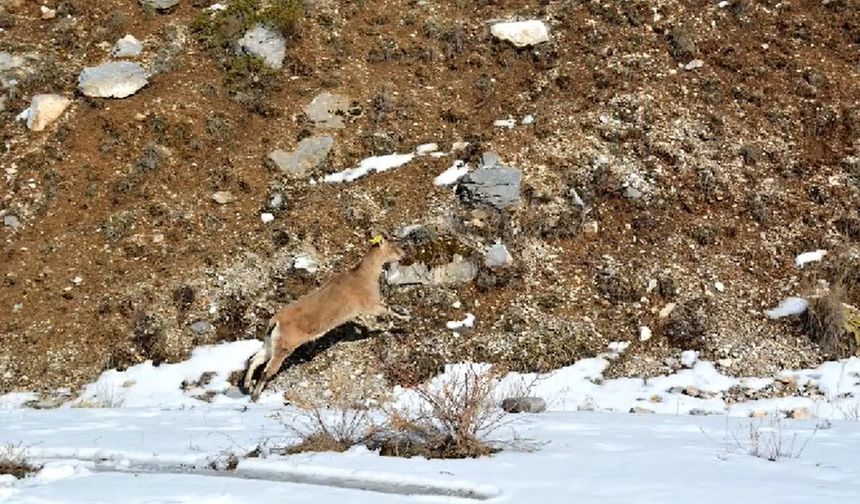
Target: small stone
47	13
424	149
127	47
159	5
277	201
308	154
266	217
11	221
223	197
77	280
306	261
720	286
590	227
801	414
699	412
529	119
692	391
116	79
201	327
490	159
521	33
694	64
641	411
269	46
326	110
45	109
644	333
497	256
667	310
524	405
234	392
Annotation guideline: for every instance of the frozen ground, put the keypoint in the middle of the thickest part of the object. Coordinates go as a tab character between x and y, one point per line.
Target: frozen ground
160	445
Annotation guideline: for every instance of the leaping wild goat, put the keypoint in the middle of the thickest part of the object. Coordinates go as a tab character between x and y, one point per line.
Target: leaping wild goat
347	296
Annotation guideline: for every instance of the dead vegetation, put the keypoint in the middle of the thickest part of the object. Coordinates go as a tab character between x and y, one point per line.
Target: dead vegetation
452	419
13	461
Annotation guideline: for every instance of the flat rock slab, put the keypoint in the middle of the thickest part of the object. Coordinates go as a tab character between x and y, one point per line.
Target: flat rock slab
159	5
309	154
269	46
45	109
116	79
457	271
521	33
327	109
127	47
498	186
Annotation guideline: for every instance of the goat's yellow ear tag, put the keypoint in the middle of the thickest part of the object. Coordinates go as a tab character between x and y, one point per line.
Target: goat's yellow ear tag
376	240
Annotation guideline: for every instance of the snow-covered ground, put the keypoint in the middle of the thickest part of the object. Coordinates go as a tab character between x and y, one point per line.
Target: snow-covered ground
158	444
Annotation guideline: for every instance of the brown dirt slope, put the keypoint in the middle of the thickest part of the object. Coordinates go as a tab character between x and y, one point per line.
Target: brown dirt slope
698	186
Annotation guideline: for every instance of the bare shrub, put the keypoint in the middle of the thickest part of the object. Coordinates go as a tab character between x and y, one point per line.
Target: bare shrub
104	396
320	429
764	438
452	420
13	460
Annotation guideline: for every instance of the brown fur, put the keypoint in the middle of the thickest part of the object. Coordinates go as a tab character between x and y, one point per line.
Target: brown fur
345	297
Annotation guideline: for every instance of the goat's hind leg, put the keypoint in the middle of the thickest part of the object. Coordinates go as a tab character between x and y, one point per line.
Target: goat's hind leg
271	369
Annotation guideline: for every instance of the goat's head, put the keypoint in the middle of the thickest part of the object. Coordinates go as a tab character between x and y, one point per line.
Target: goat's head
388	250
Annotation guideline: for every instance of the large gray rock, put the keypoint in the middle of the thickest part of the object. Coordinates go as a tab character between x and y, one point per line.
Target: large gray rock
521	33
498	186
159	4
524	405
414	274
309	154
326	110
116	79
457	271
269	46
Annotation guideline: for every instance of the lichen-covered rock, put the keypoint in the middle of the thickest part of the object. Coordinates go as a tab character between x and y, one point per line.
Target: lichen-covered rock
498	186
269	46
326	110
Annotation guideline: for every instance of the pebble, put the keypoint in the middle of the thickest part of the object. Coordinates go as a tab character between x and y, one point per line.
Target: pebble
159	4
696	63
115	79
591	227
720	286
640	410
801	414
266	217
223	197
524	405
201	327
47	13
644	333
667	310
497	256
127	47
11	221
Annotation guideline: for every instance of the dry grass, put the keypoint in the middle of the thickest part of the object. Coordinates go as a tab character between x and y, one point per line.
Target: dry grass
764	438
13	460
453	419
830	324
106	396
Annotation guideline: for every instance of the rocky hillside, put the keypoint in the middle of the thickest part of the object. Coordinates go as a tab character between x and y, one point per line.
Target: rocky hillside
642	171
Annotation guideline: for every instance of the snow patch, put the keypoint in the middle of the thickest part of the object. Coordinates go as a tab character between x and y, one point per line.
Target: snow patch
372	164
808	257
788	307
469	321
452	174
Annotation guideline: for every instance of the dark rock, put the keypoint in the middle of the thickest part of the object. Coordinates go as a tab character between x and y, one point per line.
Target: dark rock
524	405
